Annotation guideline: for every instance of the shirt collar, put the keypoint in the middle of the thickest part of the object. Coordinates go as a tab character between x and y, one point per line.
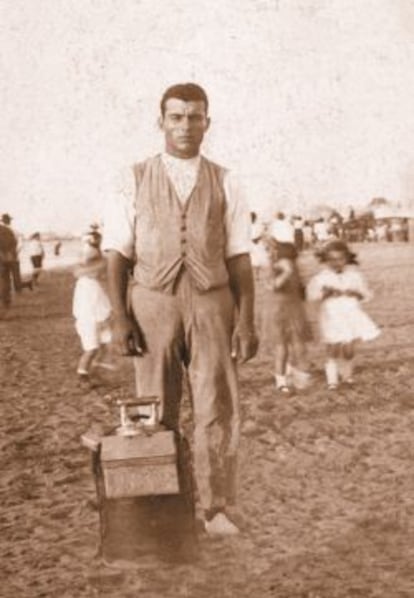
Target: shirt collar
173	161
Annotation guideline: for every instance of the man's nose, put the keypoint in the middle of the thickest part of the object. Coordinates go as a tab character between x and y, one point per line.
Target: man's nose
185	123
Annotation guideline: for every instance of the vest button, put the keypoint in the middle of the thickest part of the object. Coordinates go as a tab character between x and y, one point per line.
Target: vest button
183	240
183	227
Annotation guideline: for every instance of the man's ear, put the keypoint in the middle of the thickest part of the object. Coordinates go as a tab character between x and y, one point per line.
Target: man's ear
208	123
160	122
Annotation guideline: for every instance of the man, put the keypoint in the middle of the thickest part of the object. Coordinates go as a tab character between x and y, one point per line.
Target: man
281	229
14	263
187	232
320	228
9	261
258	253
298	233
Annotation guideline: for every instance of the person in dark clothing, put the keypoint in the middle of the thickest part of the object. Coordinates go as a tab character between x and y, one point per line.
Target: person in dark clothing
12	260
8	250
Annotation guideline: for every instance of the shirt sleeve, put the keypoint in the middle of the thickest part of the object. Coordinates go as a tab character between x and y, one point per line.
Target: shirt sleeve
119	217
237	223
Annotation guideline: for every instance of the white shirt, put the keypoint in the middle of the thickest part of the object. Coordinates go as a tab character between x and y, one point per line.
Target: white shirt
35	247
282	231
119	217
321	231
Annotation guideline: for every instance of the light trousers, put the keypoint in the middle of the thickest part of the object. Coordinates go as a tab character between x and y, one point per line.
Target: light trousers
193	330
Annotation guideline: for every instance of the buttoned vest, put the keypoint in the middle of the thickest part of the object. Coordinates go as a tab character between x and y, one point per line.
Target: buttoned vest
171	236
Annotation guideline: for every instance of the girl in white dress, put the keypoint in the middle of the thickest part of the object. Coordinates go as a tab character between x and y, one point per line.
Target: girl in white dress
91	308
340	288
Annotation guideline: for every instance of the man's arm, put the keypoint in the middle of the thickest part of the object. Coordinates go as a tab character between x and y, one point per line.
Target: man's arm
118	244
245	342
126	333
238	231
118	267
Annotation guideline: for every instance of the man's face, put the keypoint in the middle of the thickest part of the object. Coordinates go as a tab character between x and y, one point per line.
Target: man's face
184	125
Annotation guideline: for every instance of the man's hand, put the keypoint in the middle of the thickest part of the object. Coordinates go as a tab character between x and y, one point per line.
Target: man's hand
127	337
244	344
244	341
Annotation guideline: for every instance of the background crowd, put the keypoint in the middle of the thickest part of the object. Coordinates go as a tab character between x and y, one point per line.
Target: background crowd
305	231
352	228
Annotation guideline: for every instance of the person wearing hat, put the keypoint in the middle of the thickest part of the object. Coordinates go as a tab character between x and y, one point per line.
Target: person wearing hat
9	261
185	230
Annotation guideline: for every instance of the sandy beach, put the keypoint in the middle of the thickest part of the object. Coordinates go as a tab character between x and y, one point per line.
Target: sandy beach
326	501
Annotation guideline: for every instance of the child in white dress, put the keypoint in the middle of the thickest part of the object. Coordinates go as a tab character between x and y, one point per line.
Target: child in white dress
340	288
91	308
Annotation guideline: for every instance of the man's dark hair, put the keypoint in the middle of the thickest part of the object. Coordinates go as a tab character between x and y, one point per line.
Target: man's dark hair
188	92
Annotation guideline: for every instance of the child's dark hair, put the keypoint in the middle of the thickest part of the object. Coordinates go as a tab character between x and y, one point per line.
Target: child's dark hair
323	253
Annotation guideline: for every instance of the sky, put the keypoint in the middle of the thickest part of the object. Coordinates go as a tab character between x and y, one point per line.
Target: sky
311	100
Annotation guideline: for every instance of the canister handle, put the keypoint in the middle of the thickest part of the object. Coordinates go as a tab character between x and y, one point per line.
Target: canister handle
152	421
139	401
